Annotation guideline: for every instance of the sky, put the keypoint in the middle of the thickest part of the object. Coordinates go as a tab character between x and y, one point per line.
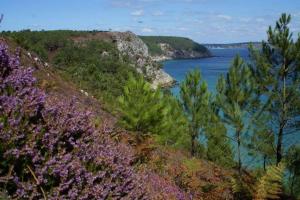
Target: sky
205	21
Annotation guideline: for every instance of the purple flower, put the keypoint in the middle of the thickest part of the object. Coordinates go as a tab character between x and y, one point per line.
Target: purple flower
55	150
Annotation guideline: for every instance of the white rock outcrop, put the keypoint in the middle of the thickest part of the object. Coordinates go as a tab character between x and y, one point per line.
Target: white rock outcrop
131	45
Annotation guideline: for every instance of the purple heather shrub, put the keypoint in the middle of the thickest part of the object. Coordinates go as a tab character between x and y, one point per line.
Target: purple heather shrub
51	150
160	188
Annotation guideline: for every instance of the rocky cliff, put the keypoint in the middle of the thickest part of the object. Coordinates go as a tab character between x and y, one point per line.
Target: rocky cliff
169	53
132	46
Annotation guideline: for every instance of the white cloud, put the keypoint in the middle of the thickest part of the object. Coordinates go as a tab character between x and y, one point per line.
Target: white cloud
183	29
137	13
297	14
157	13
245	19
147	30
226	17
260	19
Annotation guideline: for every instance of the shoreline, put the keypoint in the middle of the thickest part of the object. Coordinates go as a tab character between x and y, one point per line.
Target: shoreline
190	58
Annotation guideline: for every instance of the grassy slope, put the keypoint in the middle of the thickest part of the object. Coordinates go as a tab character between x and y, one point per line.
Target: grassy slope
76	56
175	42
205	179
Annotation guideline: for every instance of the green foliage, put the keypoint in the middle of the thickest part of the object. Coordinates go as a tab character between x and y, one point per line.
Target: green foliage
150	111
176	132
219	149
208	188
142	107
195	100
178	43
93	65
269	186
276	68
96	67
42	42
262	144
235	100
293	166
241	190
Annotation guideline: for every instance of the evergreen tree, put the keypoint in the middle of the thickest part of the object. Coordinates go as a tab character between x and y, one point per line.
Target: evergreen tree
218	144
235	100
176	130
293	165
262	145
276	68
195	100
142	108
149	111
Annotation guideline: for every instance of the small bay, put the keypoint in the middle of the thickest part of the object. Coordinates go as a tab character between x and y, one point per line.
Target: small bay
211	68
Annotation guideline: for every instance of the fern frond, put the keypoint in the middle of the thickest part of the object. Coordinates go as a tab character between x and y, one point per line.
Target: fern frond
269	186
236	185
241	189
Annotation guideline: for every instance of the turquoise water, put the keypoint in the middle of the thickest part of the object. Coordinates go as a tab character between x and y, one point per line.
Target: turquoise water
210	68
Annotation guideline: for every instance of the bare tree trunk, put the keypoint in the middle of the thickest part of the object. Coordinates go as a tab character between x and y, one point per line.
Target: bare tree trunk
279	145
282	117
265	160
292	184
238	134
193	148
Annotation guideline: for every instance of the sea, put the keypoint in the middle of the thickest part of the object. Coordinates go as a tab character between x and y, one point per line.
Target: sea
211	68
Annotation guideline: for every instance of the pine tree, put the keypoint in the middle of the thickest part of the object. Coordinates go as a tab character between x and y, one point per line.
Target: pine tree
262	145
276	68
293	165
219	149
261	142
142	108
235	99
176	130
149	111
195	100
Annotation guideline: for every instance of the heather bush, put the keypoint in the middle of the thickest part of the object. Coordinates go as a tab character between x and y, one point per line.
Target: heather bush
51	151
161	189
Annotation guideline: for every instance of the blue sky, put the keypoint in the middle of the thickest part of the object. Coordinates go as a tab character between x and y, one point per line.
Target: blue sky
205	21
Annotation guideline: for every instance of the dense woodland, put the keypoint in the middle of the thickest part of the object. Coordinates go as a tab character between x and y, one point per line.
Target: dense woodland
53	151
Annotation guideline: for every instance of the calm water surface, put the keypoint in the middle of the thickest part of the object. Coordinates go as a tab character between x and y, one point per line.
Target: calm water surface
210	68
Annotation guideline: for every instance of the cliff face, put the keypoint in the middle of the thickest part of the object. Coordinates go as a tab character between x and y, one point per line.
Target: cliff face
132	46
169	53
167	47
